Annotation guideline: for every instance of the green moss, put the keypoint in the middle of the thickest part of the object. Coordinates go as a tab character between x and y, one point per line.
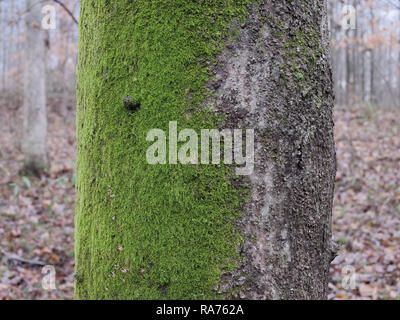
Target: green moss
150	231
300	76
301	50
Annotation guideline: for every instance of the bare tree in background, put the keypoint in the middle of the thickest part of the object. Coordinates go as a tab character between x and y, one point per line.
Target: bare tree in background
398	60
35	118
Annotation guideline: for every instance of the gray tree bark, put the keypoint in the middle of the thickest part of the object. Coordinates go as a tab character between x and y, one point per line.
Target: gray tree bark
35	118
277	79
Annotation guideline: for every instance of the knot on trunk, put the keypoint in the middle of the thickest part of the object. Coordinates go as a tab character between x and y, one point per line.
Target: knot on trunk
131	104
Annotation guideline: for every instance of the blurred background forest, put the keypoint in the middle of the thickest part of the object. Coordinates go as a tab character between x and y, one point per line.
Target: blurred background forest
36	213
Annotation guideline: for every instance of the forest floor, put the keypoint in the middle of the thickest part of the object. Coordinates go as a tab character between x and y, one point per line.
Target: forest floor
36	215
366	215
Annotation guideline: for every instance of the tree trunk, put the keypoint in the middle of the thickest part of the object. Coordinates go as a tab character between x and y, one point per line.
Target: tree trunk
35	118
4	47
199	231
398	62
372	61
362	53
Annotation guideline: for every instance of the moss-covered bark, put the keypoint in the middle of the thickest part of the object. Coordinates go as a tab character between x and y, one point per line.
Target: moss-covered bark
146	231
184	231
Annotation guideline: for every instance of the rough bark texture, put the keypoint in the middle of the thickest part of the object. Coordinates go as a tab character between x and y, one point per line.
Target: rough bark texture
35	118
277	79
186	231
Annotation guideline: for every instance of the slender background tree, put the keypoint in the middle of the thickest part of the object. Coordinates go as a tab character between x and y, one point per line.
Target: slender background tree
35	116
